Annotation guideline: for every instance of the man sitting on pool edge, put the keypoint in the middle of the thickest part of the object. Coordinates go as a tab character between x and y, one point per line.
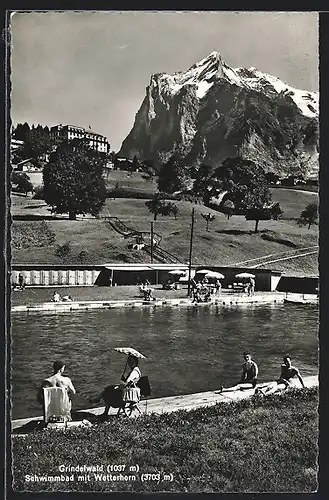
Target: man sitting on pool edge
248	378
288	372
57	380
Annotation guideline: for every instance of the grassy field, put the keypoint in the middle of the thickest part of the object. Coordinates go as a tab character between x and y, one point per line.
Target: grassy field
257	445
228	242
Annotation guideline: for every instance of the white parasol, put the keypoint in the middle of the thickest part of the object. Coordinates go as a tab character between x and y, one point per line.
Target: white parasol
215	274
245	275
203	271
131	351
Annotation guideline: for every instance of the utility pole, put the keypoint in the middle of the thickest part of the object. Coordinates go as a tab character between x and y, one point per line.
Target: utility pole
151	241
190	255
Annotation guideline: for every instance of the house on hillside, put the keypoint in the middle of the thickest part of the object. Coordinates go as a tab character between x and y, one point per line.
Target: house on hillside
28	165
15	145
293	180
272	178
123	164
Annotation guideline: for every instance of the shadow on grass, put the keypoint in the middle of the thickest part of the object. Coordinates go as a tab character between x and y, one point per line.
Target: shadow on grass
41	205
32	426
79	415
37	217
39	425
235	232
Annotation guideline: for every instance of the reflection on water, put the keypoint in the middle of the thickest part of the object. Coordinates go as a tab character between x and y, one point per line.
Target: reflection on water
188	350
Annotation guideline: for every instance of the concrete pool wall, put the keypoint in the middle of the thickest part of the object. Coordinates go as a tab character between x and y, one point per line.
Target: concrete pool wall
218	300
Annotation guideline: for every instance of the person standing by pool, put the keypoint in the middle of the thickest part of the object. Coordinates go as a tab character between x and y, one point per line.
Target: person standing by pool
218	286
252	286
288	372
249	375
21	281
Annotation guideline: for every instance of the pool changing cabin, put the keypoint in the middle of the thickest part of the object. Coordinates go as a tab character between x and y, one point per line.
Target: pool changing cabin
39	275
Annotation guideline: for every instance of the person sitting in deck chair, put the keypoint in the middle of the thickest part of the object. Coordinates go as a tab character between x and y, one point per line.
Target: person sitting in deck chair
248	378
288	372
128	391
62	401
131	392
56	297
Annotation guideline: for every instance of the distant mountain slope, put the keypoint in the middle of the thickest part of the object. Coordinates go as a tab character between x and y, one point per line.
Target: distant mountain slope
212	112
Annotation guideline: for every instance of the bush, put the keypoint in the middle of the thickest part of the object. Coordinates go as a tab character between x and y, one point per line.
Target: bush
22	182
32	234
63	251
38	193
83	256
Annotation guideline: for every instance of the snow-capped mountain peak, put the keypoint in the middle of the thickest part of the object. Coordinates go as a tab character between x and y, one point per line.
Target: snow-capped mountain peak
204	73
212	111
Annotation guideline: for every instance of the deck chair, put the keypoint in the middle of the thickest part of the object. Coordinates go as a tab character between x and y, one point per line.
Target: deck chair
56	405
132	397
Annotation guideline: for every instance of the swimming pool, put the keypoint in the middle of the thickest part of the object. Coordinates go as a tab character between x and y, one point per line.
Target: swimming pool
188	349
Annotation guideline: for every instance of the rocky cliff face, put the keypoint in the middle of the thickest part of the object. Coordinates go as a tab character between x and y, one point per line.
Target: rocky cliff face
212	112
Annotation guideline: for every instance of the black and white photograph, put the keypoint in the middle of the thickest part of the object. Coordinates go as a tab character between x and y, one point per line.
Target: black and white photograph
163	217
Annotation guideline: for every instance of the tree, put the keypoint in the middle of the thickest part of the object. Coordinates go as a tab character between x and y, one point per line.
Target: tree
149	170
174	210
309	216
22	182
135	164
227	208
155	204
264	213
201	180
209	218
73	180
158	206
37	142
257	214
172	175
21	131
244	182
169	209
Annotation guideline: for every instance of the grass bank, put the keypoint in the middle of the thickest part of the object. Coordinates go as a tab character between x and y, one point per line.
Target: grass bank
256	445
226	243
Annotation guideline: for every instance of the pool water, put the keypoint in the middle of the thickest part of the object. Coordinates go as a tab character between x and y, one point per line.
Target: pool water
188	349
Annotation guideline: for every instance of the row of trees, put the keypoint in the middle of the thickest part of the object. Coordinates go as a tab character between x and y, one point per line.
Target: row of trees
74	184
37	142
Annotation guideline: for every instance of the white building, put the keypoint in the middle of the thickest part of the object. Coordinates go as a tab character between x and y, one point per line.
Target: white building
60	133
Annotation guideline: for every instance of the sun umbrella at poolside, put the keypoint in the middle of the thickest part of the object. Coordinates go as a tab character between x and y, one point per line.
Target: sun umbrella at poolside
203	271
215	274
245	275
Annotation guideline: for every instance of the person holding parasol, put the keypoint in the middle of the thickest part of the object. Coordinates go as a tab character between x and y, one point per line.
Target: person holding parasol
127	391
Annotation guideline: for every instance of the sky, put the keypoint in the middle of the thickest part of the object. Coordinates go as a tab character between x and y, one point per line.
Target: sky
92	68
